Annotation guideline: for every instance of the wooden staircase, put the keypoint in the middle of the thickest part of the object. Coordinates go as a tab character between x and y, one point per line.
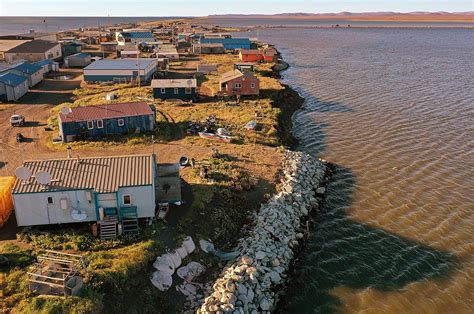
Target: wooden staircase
129	218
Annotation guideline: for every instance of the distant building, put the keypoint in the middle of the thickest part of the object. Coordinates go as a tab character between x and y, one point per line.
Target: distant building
244	67
117	189
208	48
33	51
168	51
184	89
133	37
120	70
255	55
32	35
34	73
239	83
109	119
71	48
228	43
13	86
78	60
109	46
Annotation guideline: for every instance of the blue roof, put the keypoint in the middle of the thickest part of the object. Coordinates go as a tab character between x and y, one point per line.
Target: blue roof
137	35
225	40
12	79
44	62
119	64
28	68
80	55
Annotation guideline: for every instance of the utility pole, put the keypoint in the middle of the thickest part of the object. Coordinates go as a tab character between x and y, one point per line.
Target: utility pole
138	66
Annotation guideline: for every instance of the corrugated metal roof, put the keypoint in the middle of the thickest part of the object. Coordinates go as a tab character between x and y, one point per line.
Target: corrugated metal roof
138	35
28	68
45	62
173	83
106	111
231	75
12	79
101	174
119	64
34	46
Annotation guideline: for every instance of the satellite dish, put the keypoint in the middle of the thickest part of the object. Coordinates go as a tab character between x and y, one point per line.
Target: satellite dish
190	82
42	177
78	215
23	173
66	110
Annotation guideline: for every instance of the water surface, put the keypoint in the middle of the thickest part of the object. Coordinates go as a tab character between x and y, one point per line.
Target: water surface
393	110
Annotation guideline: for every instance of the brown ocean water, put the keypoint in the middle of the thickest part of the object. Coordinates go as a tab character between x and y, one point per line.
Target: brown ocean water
393	110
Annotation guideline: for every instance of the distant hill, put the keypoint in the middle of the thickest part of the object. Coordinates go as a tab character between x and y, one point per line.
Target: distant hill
375	16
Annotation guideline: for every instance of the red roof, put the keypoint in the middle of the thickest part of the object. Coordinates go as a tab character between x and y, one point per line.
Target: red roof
108	111
251	52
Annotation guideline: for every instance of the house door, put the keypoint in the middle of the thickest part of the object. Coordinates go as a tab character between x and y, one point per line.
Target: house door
53	214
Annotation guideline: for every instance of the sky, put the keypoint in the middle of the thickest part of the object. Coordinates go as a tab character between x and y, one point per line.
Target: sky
208	7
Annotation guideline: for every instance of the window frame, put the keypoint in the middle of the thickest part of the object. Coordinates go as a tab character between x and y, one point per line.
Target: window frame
101	124
163	90
176	91
90	125
238	85
121	122
253	85
129	200
188	90
48	198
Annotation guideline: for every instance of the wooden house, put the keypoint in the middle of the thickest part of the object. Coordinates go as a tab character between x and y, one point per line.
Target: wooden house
184	89
83	123
239	83
255	55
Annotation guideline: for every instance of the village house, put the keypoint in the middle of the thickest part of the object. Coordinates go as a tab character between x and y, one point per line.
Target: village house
255	55
120	70
133	37
184	89
72	190
33	51
7	44
109	46
77	60
13	86
82	123
70	48
34	73
228	43
168	51
48	65
208	48
239	83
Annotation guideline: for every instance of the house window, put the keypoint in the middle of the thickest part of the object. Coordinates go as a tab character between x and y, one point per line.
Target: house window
127	200
176	91
163	90
187	90
50	200
237	85
90	125
121	122
100	124
252	85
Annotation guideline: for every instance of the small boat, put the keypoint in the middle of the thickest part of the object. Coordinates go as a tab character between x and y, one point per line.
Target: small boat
250	125
214	136
183	162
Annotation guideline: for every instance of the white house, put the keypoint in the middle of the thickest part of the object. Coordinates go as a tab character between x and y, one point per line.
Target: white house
89	189
12	86
34	50
120	70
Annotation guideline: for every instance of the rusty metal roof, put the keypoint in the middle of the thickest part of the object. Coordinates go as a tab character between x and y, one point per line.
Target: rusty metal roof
108	111
101	174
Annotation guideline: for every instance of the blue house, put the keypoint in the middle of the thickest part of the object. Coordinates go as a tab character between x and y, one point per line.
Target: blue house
33	72
82	123
229	43
13	86
184	89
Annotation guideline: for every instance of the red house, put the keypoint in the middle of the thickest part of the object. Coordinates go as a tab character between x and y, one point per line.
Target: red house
254	55
239	83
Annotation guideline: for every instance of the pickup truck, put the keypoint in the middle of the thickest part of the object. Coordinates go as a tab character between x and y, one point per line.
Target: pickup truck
17	120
